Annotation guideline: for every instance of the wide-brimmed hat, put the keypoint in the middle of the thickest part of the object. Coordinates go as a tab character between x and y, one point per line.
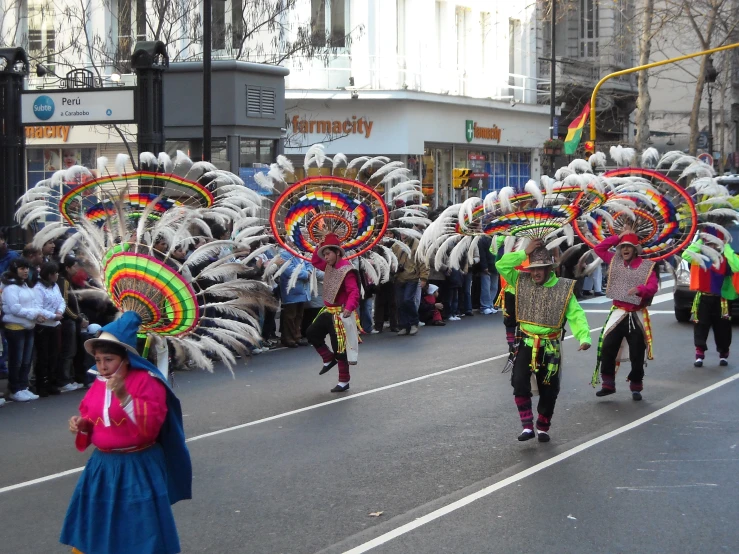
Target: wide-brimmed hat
122	332
630	239
541	257
330	241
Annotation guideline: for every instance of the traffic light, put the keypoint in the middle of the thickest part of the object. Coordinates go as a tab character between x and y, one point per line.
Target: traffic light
589	149
460	177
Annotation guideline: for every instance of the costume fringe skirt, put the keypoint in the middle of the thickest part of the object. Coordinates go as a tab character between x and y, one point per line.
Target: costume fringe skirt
121	506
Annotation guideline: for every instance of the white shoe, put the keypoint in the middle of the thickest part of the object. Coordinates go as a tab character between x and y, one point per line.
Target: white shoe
2	402
421	324
414	330
454	318
19	396
30	395
374	332
69	387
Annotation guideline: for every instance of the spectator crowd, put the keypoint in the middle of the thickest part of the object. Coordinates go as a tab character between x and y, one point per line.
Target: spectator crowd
49	305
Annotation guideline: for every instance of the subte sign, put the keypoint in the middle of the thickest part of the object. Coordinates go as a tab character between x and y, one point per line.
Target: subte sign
104	106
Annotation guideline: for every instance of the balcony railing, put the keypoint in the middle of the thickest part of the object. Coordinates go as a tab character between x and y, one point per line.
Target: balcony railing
399	73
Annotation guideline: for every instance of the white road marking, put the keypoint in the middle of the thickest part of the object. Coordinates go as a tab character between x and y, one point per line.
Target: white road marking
462	502
657	487
285	414
651	312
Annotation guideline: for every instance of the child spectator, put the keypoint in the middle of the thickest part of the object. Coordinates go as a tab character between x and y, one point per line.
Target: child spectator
49	333
430	309
21	312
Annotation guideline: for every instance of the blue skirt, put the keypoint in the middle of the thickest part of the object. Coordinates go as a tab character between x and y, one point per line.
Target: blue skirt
121	506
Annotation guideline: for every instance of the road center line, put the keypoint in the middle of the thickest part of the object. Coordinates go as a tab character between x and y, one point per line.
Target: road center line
284	414
462	502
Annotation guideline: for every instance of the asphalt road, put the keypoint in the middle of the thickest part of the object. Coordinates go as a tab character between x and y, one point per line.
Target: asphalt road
426	436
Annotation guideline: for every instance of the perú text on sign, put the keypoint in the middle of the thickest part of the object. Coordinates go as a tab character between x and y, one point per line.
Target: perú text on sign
44	107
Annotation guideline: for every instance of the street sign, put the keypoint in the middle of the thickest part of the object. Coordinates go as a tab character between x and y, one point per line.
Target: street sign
103	107
706	158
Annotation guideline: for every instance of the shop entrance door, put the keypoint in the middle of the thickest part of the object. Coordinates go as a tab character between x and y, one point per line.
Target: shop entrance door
437	177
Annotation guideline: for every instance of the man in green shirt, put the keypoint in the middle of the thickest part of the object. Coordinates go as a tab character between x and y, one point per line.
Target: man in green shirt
544	303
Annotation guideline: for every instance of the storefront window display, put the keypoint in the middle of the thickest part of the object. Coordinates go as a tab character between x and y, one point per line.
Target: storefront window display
41	163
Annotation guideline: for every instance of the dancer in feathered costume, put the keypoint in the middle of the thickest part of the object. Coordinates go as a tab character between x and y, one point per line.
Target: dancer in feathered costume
126	228
712	261
632	283
338	211
667	217
543	303
338	319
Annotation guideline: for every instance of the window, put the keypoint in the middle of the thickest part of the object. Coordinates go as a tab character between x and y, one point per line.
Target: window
328	15
255	151
218	40
237	22
260	102
128	20
485	28
589	29
520	169
41	33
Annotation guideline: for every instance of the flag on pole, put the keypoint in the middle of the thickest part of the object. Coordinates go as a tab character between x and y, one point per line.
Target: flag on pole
574	131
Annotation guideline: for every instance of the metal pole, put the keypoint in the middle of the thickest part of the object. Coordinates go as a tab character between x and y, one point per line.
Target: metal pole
594	96
553	71
710	120
207	49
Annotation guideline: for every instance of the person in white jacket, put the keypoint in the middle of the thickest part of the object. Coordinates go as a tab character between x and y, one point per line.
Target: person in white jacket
21	312
49	333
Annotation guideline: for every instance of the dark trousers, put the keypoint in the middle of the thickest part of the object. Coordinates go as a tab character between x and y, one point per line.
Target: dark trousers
385	308
454	294
632	332
709	317
309	314
316	334
521	381
290	320
81	357
405	300
317	331
65	365
20	353
509	318
48	343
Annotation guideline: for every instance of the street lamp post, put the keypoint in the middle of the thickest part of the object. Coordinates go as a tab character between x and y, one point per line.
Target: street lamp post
710	75
13	68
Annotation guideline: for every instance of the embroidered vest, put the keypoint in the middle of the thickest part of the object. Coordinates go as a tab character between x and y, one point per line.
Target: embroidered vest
540	305
332	280
622	279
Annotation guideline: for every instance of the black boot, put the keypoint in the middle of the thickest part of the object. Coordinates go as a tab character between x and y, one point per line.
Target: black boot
605	392
526	435
339	388
327	366
636	395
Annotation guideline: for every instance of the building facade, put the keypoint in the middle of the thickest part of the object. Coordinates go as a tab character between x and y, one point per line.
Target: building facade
592	39
446	84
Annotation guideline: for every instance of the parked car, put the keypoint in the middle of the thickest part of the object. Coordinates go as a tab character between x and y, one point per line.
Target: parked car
683	296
